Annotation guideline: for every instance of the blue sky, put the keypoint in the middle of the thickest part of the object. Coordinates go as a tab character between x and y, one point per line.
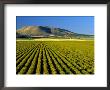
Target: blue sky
77	24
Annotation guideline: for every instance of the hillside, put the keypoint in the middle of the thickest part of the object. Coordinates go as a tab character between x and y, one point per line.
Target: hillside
45	31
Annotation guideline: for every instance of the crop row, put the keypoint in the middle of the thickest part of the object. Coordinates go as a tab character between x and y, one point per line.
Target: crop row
47	57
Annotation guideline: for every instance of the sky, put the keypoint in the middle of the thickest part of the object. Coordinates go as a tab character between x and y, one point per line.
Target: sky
77	24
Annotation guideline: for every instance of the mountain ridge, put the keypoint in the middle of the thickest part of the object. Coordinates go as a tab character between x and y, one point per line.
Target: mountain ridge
46	31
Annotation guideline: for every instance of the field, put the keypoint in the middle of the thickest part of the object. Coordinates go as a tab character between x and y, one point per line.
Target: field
54	57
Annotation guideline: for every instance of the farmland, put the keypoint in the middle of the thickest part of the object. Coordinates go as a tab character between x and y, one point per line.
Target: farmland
55	57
